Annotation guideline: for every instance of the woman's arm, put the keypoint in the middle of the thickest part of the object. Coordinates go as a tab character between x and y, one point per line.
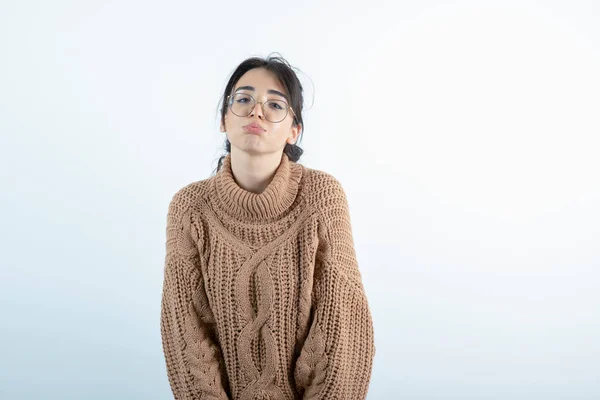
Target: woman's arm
336	359
193	358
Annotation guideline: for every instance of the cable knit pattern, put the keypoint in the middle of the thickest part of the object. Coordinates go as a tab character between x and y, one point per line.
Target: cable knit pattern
262	296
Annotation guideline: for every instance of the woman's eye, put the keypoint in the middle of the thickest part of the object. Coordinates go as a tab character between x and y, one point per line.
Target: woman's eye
276	106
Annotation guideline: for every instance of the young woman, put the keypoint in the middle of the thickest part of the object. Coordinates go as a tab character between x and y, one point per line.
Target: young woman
262	294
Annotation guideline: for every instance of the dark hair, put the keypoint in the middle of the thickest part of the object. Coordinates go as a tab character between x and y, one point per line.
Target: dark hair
288	78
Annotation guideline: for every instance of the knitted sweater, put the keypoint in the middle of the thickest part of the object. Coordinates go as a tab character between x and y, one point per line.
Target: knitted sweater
262	295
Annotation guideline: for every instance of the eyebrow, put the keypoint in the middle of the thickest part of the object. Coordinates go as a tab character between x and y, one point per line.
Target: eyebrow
270	91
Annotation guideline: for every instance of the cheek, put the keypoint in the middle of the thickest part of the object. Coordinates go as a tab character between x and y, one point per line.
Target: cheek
230	119
281	132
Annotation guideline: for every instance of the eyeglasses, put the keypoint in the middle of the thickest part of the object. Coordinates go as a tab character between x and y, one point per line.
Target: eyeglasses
242	105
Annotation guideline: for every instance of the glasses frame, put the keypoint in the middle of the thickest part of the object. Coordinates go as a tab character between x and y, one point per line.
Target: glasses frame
262	105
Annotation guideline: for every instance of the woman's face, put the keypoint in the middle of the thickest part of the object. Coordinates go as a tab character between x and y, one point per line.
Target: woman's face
258	82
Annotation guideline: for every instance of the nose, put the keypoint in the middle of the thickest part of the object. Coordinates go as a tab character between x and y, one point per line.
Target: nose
257	106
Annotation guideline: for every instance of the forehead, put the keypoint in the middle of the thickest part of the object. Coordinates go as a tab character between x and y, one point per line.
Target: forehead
261	79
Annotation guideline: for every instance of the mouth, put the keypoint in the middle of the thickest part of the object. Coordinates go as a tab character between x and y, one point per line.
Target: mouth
254	128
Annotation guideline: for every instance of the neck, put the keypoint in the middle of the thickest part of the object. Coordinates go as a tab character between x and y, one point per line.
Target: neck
254	172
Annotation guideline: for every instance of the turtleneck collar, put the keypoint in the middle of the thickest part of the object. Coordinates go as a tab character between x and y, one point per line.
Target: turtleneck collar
272	202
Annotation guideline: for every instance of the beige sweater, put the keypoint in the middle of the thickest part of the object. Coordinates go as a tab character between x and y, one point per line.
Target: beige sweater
262	294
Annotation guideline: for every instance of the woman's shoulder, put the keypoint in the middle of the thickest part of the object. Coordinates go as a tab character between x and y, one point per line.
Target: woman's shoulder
323	189
189	195
321	178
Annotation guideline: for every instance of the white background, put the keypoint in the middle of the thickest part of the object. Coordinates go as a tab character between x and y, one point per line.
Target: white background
466	135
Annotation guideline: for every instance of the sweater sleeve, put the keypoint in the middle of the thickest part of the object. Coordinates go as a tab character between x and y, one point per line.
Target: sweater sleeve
193	359
335	360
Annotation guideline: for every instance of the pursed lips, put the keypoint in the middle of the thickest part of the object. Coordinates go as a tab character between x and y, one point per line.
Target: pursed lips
254	128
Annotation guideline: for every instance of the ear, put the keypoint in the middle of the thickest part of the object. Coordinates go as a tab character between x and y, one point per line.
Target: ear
294	134
222	128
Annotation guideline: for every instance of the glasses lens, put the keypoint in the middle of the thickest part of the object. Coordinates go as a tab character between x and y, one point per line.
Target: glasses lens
241	104
275	110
